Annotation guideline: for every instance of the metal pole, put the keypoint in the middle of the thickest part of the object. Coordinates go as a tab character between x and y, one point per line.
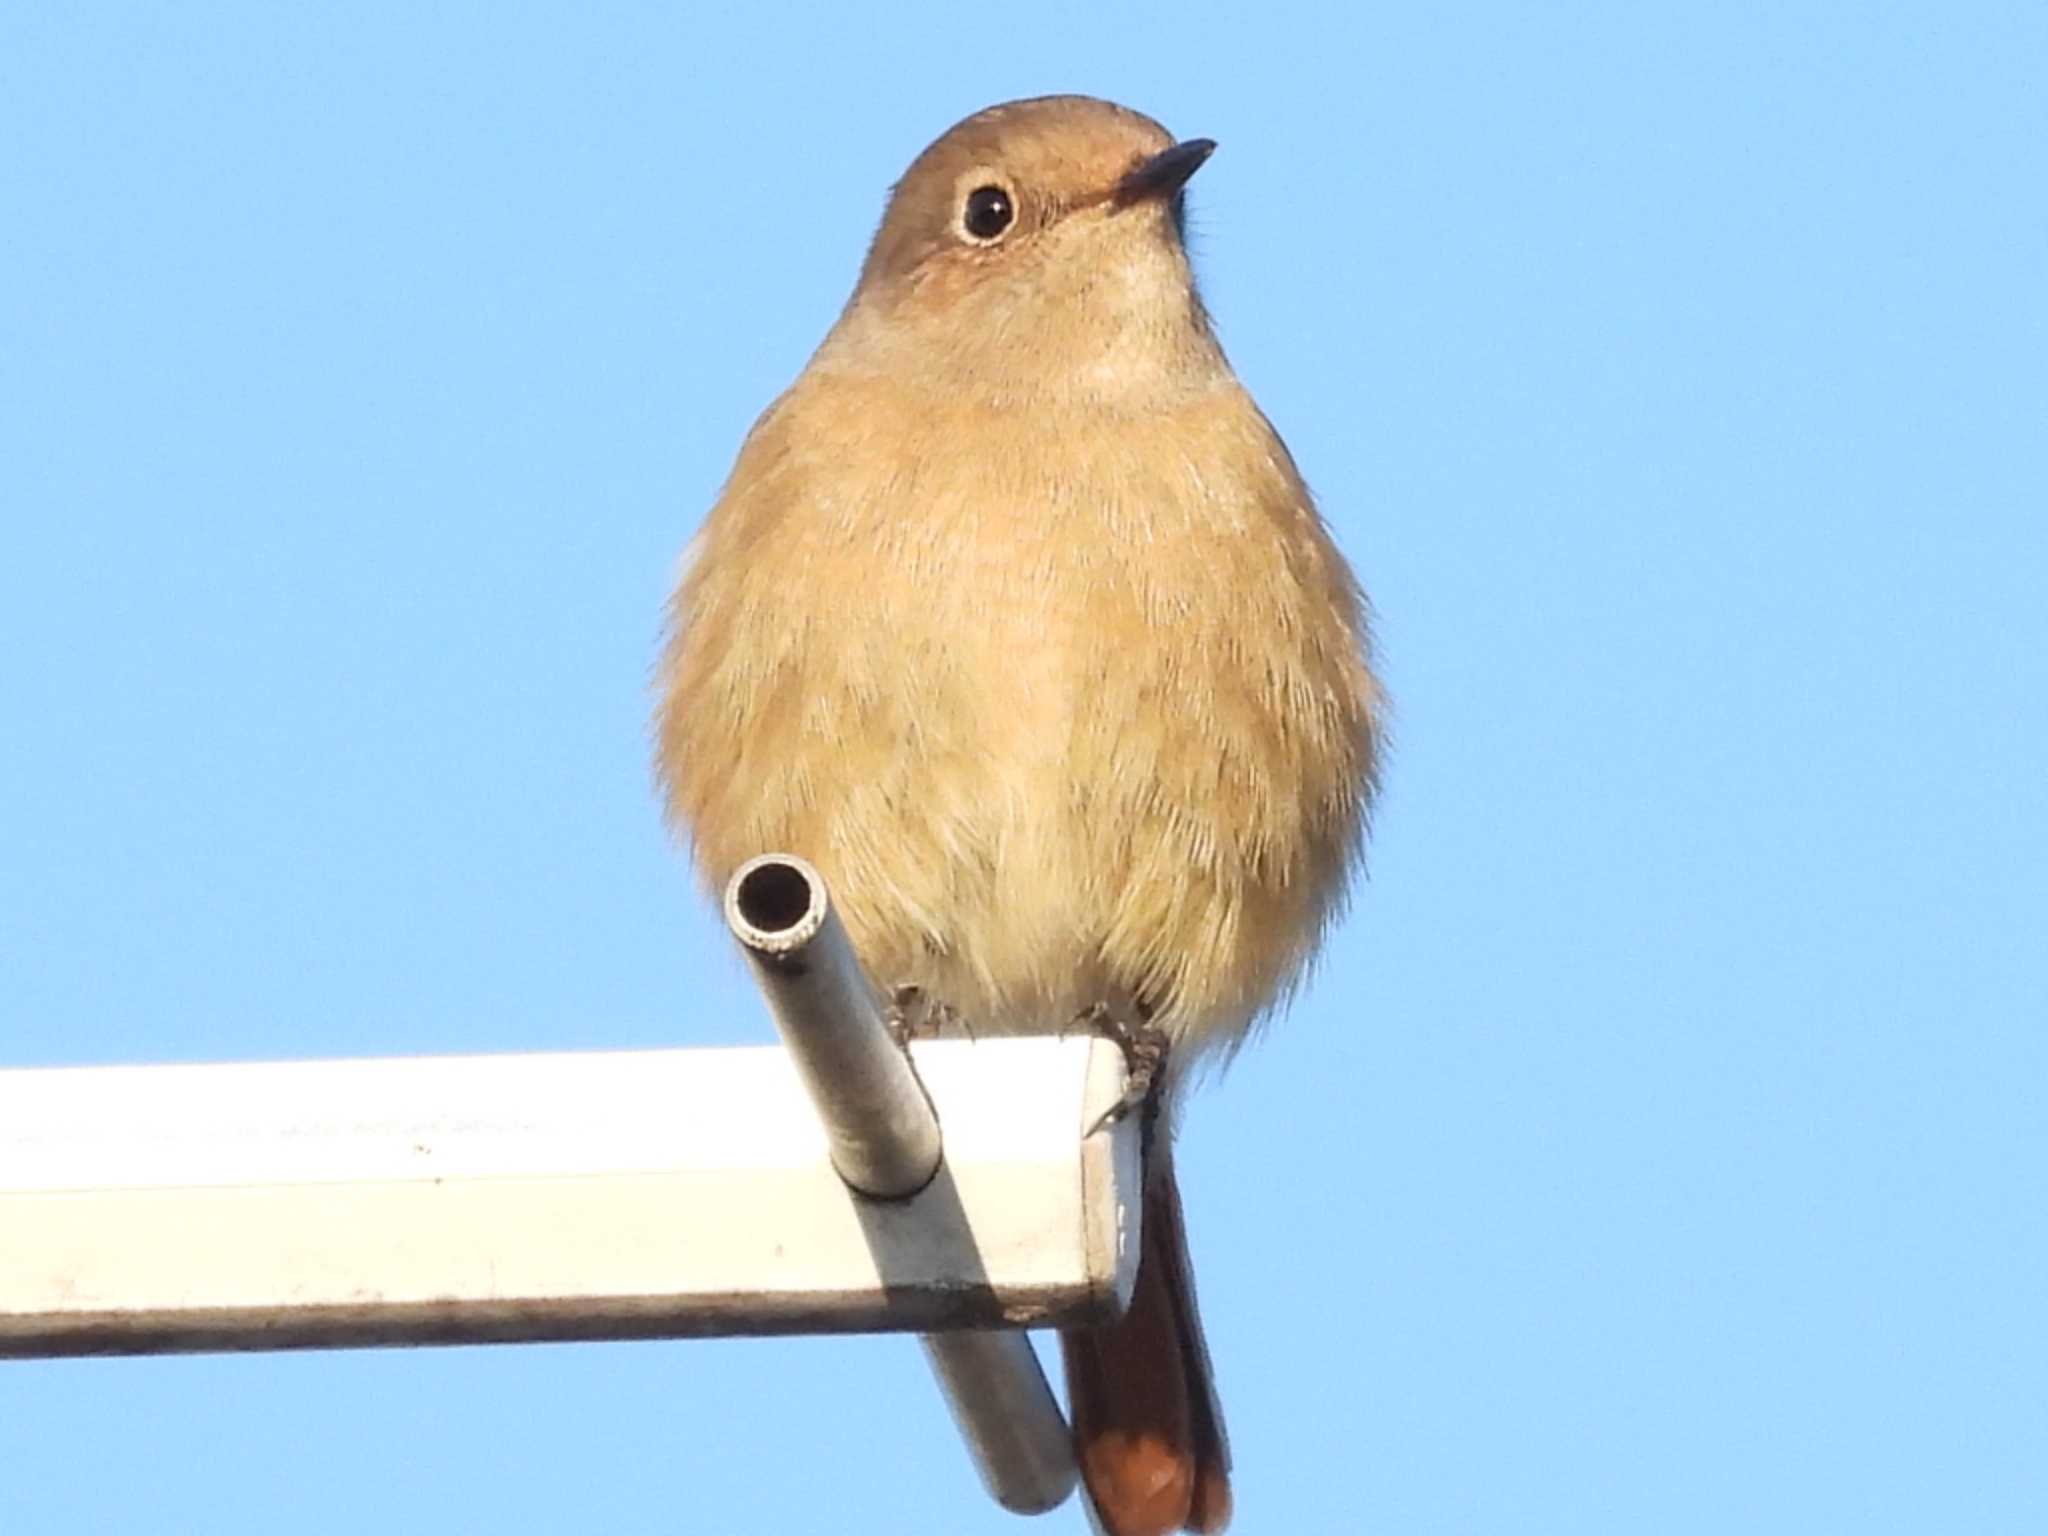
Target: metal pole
1006	1414
884	1141
878	1121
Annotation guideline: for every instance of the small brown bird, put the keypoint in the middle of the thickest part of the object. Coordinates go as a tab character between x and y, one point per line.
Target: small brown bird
1016	620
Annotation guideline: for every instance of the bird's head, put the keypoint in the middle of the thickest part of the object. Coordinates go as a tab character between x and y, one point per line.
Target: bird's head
1039	242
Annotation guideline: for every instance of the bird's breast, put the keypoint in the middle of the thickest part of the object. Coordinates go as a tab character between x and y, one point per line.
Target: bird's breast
1064	709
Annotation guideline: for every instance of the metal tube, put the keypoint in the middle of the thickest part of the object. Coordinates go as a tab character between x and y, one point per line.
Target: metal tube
879	1123
1006	1414
884	1140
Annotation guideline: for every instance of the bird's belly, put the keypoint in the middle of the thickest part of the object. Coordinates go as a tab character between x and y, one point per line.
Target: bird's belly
1018	943
1053	739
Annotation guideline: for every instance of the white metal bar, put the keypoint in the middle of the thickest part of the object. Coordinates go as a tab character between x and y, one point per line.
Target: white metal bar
607	1195
885	1140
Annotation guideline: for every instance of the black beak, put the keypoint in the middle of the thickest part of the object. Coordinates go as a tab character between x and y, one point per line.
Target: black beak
1164	174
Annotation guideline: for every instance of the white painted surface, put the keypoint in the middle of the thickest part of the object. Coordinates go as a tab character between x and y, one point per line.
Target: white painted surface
620	1194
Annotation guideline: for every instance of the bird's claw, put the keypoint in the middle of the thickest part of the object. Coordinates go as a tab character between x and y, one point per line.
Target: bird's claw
913	1014
1144	1046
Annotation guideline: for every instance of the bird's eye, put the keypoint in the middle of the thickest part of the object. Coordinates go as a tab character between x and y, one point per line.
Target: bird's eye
988	213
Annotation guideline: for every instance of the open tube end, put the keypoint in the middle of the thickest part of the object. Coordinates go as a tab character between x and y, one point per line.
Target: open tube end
775	903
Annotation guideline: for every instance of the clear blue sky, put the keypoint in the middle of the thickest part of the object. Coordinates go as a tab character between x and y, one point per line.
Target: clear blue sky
1664	1147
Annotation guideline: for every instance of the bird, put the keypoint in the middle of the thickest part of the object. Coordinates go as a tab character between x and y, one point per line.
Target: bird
1016	618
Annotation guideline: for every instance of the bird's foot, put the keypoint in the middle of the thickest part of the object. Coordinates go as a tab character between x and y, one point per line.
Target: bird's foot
914	1014
1144	1045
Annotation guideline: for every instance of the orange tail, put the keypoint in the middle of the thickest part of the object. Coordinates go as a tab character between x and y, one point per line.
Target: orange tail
1147	1428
